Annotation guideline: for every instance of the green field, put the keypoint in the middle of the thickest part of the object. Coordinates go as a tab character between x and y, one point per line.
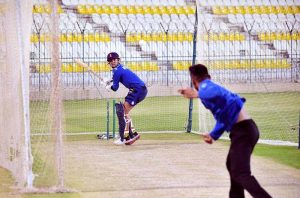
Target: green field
277	115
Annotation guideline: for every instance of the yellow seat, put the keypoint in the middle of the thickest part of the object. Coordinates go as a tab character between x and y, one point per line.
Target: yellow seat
172	37
152	66
239	37
154	37
262	36
264	9
296	9
181	65
99	67
172	9
163	10
44	68
133	66
47	9
123	9
45	38
98	9
283	63
147	10
248	10
180	10
217	10
268	63
188	37
191	9
34	38
69	38
155	10
162	37
294	36
115	10
139	9
106	9
222	36
244	64
232	10
64	67
81	9
69	68
286	36
130	38
257	10
279	36
240	10
77	68
224	10
39	8
180	37
281	10
146	37
273	10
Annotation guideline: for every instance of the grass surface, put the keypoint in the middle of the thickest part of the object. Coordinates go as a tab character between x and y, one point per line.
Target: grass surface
276	114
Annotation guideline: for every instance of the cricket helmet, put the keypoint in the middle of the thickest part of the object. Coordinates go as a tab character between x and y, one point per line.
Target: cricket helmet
112	55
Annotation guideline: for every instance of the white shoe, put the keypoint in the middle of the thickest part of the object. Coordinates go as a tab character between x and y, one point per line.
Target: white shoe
119	142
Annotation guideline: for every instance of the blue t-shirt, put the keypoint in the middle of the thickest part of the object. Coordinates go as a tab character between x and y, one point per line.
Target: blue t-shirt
224	105
123	75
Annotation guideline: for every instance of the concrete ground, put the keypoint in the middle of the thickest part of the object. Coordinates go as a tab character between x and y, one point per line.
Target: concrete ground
174	168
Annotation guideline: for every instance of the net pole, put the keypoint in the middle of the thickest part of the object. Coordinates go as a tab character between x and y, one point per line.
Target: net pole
28	160
56	95
107	119
114	118
190	116
299	132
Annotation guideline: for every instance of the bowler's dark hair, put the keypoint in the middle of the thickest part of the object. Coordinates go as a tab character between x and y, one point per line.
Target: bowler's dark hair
199	72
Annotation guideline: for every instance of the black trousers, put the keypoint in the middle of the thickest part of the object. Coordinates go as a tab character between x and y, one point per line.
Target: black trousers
244	136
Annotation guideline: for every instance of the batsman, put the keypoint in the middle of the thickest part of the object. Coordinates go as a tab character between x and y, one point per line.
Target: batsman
137	93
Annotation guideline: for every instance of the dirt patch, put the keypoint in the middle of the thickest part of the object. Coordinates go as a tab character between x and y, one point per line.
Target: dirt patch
165	169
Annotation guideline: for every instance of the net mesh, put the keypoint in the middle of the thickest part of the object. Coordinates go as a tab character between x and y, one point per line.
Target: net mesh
15	22
246	67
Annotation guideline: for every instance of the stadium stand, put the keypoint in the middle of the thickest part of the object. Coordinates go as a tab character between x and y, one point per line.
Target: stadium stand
160	33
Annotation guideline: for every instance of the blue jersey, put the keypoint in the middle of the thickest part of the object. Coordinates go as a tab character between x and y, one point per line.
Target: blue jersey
224	105
125	76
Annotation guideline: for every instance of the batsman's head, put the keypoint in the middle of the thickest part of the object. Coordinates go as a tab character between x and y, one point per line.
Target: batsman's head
113	59
198	73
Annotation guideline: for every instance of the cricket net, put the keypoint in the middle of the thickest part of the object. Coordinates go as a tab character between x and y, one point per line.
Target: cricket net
246	64
15	149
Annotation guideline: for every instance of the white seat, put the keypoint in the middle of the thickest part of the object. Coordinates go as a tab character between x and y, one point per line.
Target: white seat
174	17
156	2
156	27
181	2
281	17
166	18
172	2
239	18
232	18
157	18
83	2
67	2
290	17
281	2
90	2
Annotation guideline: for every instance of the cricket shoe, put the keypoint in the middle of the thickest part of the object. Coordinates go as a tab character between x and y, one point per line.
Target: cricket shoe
132	140
120	142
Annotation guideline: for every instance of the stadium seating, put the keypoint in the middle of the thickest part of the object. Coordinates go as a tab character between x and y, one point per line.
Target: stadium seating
156	31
